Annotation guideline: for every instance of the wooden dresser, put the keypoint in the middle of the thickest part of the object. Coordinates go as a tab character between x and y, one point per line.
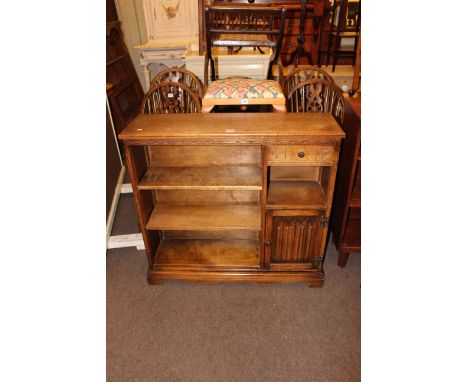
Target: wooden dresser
234	197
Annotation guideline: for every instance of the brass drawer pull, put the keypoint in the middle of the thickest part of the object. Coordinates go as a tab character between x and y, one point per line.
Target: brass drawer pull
301	154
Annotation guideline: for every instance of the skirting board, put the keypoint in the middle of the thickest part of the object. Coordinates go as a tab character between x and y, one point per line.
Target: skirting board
121	241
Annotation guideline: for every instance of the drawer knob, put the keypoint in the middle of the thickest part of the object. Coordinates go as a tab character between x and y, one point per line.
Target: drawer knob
301	154
268	243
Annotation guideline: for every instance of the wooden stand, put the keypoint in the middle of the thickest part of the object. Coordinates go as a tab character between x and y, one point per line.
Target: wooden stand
300	50
234	197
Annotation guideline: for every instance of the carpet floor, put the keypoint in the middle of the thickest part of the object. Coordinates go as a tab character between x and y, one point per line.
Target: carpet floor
229	332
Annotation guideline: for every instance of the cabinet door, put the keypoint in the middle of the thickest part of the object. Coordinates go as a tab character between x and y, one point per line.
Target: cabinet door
293	239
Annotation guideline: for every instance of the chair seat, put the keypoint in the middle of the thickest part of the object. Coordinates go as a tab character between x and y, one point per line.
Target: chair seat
243	88
234	40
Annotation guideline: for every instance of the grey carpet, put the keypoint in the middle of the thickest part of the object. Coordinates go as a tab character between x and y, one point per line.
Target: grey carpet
229	332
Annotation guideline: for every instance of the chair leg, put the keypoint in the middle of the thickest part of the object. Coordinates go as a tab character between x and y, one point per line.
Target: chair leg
336	48
279	108
213	74
355	50
207	108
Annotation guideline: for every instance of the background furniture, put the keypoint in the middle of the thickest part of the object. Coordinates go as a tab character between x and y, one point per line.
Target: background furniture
180	75
303	73
126	93
123	98
316	96
315	12
346	214
243	26
245	63
346	20
300	51
243	92
170	98
234	196
356	86
172	30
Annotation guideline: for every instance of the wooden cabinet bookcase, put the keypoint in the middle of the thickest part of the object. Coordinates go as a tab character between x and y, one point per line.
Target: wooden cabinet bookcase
233	197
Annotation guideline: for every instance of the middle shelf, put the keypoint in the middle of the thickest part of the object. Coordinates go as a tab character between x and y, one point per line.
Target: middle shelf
208	217
300	194
202	178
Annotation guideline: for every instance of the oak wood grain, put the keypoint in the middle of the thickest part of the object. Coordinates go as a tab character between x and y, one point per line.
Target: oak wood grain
300	155
233	234
294	173
166	217
207	197
204	155
202	178
207	254
231	127
290	194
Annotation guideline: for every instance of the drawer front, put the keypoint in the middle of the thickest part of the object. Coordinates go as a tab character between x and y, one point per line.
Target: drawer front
301	154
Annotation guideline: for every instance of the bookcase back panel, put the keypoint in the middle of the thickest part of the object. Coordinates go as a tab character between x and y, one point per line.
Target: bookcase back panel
295	173
221	155
206	197
213	235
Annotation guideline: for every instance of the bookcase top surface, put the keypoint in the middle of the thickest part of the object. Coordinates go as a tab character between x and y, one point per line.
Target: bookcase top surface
232	126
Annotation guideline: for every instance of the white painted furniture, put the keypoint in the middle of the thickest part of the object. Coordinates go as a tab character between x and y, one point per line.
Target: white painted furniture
172	30
173	40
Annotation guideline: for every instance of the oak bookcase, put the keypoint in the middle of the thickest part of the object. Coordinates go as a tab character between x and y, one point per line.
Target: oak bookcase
233	196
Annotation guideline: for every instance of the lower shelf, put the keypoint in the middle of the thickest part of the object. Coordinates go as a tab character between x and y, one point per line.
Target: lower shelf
241	254
213	217
213	261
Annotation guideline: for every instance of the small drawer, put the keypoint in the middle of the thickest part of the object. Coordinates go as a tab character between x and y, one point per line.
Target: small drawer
300	154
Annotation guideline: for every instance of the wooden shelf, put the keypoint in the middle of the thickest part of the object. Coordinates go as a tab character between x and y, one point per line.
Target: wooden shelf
295	194
202	178
208	254
214	217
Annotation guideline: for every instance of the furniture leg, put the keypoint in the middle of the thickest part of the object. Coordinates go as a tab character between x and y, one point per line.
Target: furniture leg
279	108
336	47
343	259
207	108
213	74
146	73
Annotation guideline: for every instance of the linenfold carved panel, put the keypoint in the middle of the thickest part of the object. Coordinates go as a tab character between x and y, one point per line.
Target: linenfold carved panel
293	239
171	20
